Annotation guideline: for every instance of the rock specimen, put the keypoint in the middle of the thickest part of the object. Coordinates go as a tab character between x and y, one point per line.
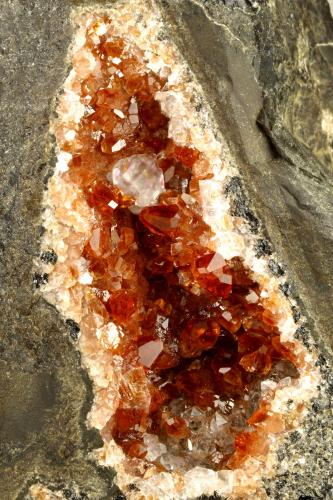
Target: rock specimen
186	336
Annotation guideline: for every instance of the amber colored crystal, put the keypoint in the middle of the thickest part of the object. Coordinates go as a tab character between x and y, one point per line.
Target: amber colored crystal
175	427
198	336
121	306
260	414
161	219
198	385
167	359
252	340
253	443
256	362
190	335
160	266
266	420
126	419
231	319
133	445
158	398
284	350
100	197
113	48
151	116
216	281
185	155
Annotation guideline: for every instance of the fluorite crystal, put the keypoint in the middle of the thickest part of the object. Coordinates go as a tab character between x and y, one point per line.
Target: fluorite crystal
188	330
138	176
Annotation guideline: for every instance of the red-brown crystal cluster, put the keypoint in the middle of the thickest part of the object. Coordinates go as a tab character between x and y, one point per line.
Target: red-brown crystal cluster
194	330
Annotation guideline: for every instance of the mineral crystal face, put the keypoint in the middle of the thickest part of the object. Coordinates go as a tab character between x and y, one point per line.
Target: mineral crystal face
138	176
178	332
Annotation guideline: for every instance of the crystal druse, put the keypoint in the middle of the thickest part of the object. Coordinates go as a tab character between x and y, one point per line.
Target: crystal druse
184	332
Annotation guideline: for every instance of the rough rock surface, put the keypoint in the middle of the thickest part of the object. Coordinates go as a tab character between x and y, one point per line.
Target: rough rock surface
266	67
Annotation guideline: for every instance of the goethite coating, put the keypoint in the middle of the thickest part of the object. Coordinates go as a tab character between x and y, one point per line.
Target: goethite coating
185	335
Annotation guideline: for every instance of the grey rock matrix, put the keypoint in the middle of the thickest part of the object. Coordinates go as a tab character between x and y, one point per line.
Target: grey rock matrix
266	68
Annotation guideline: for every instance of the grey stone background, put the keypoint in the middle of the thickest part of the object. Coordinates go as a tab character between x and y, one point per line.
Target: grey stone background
266	68
331	5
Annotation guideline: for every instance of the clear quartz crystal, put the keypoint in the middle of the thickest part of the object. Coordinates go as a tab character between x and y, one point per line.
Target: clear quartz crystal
138	176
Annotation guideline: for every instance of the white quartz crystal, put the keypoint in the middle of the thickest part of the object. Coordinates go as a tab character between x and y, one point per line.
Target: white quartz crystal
200	480
154	447
138	176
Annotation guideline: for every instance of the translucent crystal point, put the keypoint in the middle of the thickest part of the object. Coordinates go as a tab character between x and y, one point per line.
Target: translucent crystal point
138	176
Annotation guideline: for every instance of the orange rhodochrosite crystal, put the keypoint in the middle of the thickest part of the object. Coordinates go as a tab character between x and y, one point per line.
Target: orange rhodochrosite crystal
195	335
175	427
161	219
121	306
253	443
198	336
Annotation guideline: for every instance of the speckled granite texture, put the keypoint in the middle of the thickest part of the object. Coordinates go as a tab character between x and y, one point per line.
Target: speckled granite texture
266	67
